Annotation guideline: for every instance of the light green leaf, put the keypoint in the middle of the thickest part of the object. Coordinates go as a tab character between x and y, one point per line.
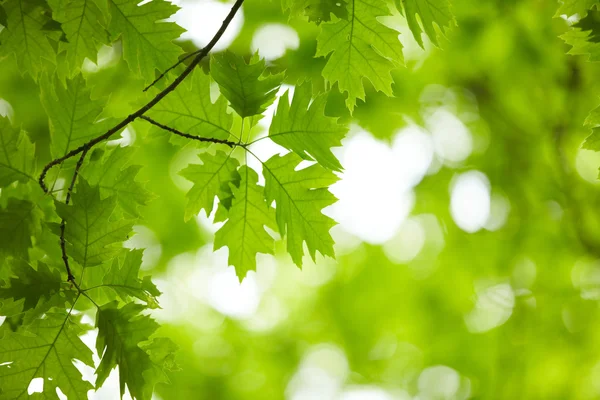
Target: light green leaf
244	233
361	47
431	13
73	115
47	351
120	332
247	86
25	36
584	36
17	155
211	178
572	7
317	11
92	235
123	279
83	23
115	177
592	142
147	39
304	129
19	221
189	109
300	196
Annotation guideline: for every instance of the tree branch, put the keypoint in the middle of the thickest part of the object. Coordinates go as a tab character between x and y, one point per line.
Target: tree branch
172	86
187	135
63	244
171	68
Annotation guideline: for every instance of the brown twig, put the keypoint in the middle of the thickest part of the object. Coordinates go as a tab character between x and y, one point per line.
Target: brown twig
172	86
171	68
187	135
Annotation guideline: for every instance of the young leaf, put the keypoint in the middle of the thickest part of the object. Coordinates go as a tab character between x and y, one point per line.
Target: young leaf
19	221
300	196
73	115
246	86
89	230
147	38
17	155
124	279
572	7
120	332
360	47
211	178
83	23
318	11
25	37
431	12
244	233
115	177
305	129
46	351
189	109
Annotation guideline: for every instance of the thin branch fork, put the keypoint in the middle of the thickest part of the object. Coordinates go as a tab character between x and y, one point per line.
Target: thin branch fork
187	135
172	86
85	148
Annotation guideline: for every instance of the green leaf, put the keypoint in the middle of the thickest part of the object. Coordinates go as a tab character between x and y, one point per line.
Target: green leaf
24	36
19	221
360	47
17	155
84	25
30	285
74	116
584	36
572	7
317	11
304	129
3	16
211	178
244	233
431	13
592	142
189	109
247	86
47	351
115	177
123	279
120	333
300	196
92	235
147	39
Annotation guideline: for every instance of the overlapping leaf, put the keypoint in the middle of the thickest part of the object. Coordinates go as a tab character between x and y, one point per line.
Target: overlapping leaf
189	109
121	334
19	221
211	178
147	38
431	13
572	7
244	232
304	128
360	47
84	25
17	155
123	279
300	197
73	114
25	36
92	234
30	286
115	177
249	90
46	351
317	11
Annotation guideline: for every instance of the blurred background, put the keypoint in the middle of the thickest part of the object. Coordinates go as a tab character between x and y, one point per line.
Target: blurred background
468	244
